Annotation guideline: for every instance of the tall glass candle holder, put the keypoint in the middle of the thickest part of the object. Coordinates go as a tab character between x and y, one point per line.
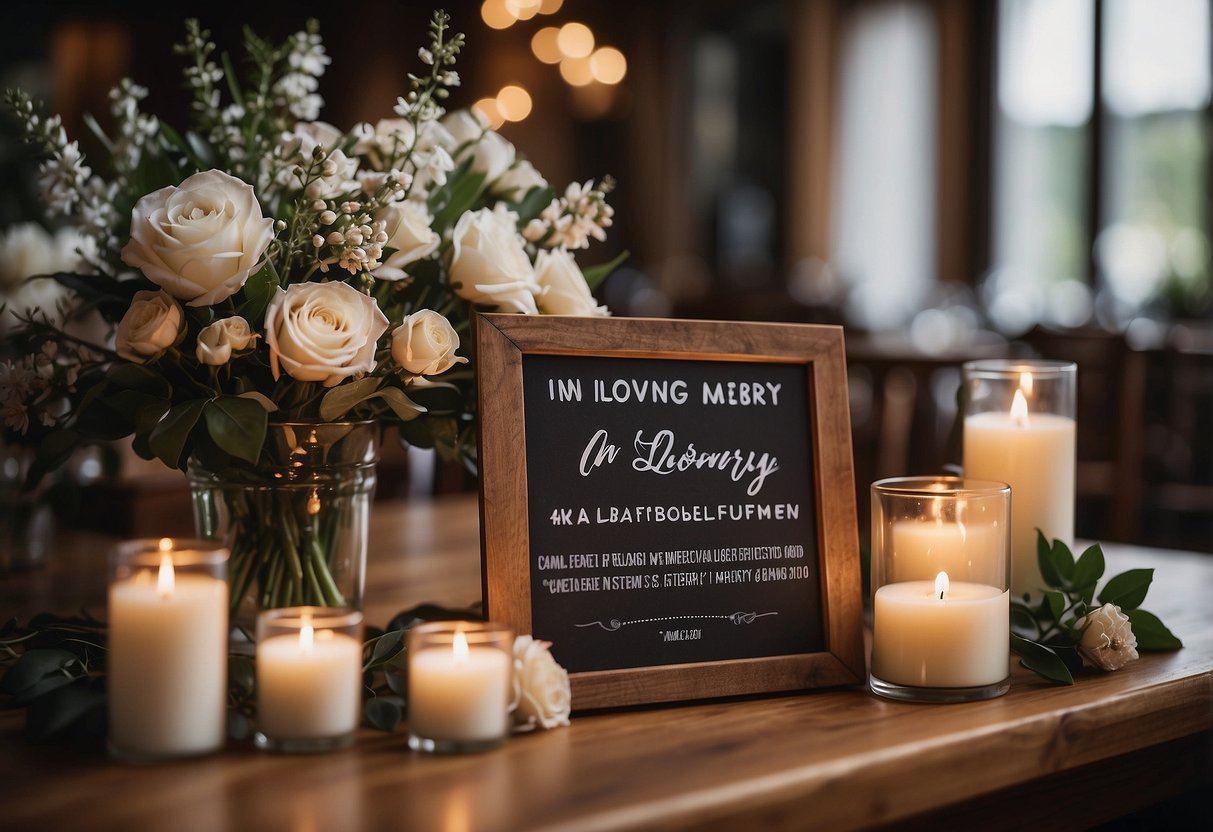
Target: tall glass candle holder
940	598
167	661
1019	428
459	685
309	678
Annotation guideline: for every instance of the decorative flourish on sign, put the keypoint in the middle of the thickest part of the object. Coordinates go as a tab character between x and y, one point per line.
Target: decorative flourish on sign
736	618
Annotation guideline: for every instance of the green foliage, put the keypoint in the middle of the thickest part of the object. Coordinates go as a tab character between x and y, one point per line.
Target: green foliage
1046	633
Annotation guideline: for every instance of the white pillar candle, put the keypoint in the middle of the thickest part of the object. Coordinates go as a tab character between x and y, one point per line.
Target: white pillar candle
309	684
940	634
924	547
167	662
459	693
1034	453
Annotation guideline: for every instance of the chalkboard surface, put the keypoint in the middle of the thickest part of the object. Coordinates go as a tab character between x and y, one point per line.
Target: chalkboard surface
671	510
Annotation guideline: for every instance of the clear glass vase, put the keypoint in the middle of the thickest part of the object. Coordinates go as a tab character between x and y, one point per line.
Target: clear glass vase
296	523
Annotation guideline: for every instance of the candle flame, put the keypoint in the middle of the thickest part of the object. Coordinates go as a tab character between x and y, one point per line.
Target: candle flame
166	580
1019	409
166	544
1025	383
941	584
460	647
306	633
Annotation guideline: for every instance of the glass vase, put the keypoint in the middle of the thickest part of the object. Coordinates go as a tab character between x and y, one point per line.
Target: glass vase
297	522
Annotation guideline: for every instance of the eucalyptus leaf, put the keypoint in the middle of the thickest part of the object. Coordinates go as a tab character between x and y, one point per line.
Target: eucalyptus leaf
385	712
1151	633
341	399
1041	659
404	407
386	646
1128	589
396	682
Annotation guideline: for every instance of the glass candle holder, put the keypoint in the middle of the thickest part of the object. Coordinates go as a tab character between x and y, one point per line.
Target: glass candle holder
167	661
1019	428
309	678
940	600
459	685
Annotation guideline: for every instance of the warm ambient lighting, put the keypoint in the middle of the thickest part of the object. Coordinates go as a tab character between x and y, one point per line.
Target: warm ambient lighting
522	9
165	580
608	65
575	40
488	108
459	648
941	584
1019	409
576	71
513	103
543	44
550	6
495	14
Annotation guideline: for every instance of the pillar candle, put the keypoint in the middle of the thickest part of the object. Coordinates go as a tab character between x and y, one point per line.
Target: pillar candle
309	684
923	547
459	693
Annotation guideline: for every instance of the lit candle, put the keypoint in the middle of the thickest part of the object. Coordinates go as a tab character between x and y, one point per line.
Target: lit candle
940	634
167	660
972	546
309	677
1034	453
458	685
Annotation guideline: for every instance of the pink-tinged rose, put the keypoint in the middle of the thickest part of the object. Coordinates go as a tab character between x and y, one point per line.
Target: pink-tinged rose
200	240
153	323
563	290
226	335
489	265
322	332
425	344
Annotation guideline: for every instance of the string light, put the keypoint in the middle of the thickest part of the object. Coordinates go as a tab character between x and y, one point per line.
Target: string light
608	65
575	40
513	103
496	15
544	46
576	71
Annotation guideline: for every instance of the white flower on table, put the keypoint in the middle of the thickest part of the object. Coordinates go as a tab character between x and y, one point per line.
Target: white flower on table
563	288
153	323
1107	638
541	687
217	341
488	263
322	332
425	344
200	240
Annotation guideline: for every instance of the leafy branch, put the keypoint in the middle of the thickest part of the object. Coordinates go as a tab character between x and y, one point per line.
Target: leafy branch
1046	633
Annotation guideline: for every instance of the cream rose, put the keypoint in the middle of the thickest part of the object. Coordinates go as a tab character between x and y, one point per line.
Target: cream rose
322	332
1107	638
408	229
541	687
217	341
517	182
200	240
563	290
154	322
492	154
425	344
488	263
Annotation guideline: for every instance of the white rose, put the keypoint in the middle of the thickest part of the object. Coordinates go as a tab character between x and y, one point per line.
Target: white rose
389	139
541	687
1107	638
563	290
492	154
200	240
153	324
322	332
516	182
464	127
488	263
217	341
425	344
408	229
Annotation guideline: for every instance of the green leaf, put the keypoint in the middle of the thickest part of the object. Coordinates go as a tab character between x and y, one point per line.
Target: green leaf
533	203
71	710
463	195
168	439
261	399
1041	660
1056	602
594	275
54	450
341	399
1128	589
237	425
258	290
404	407
1021	615
1060	565
1089	569
33	667
1044	559
1151	633
386	646
385	712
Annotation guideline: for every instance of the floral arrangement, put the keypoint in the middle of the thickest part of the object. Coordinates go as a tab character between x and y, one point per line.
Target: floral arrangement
261	264
1066	627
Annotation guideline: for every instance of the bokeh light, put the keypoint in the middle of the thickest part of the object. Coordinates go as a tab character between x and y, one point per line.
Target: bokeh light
608	65
543	44
550	6
576	71
495	14
513	103
575	40
488	108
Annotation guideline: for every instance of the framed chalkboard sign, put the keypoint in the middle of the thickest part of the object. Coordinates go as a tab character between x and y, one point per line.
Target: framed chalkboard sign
671	503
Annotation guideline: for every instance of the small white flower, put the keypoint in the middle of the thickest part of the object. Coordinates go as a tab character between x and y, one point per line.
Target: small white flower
1107	638
542	698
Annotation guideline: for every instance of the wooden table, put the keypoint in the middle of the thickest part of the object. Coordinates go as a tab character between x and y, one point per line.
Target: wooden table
1053	757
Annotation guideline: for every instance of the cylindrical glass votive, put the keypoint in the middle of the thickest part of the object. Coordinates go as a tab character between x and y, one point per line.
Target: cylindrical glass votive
1019	428
309	678
167	661
940	600
459	685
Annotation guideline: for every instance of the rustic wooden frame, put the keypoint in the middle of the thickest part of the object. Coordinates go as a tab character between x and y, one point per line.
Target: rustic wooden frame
502	341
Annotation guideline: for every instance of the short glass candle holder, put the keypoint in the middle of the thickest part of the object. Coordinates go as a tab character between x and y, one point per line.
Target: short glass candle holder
940	589
167	651
1020	428
459	685
309	678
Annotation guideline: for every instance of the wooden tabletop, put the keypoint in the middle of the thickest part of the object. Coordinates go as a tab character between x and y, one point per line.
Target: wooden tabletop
1056	757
